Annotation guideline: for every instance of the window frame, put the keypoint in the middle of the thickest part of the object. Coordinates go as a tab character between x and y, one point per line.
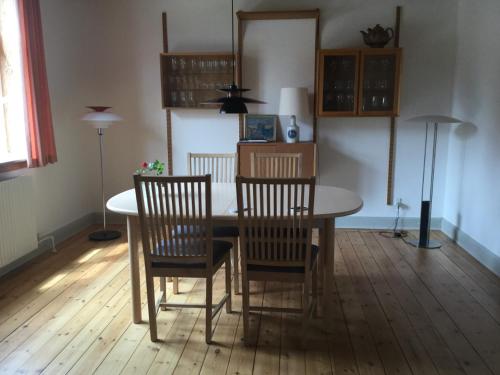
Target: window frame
14	165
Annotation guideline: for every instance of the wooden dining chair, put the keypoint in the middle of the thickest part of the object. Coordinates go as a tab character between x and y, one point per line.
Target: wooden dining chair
275	218
275	164
222	168
175	215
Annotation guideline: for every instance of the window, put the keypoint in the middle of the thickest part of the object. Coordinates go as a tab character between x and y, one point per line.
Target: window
13	143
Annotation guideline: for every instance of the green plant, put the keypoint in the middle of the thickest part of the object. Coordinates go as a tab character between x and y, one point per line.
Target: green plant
155	166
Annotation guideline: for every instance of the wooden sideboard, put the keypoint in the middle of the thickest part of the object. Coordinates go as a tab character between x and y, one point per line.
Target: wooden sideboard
307	149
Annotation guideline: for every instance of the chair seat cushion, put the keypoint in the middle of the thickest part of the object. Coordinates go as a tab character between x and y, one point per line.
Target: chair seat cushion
217	232
260	268
226	232
220	250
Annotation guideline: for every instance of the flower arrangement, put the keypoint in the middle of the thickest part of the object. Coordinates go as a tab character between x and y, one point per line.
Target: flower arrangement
156	166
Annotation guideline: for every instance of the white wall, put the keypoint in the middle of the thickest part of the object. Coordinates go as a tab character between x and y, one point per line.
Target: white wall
472	198
66	190
353	152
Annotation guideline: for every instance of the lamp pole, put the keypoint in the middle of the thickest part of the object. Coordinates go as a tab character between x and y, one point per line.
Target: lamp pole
101	120
424	240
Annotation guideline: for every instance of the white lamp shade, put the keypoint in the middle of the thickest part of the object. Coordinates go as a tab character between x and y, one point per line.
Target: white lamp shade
101	119
435	119
293	102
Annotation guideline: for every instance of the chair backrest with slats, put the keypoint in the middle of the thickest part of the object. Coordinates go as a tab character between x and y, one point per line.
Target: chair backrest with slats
222	167
276	165
176	218
275	218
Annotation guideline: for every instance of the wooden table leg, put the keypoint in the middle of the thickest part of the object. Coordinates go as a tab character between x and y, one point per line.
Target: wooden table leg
328	246
133	253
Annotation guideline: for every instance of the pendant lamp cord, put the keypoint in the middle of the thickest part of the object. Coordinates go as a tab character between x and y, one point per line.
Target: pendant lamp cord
232	36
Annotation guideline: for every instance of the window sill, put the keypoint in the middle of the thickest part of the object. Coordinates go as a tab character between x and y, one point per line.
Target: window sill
13	166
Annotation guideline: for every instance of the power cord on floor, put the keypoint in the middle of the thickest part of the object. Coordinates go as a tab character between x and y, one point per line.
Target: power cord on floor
395	233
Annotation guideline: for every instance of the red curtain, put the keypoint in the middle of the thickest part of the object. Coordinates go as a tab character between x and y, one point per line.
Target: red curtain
41	144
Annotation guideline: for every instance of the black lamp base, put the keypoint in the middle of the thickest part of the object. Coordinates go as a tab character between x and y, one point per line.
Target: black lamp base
104	235
431	244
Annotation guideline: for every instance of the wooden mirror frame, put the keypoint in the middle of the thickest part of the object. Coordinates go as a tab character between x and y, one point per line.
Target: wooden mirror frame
271	16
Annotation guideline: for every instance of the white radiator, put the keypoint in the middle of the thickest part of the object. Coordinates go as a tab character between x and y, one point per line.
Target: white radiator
18	232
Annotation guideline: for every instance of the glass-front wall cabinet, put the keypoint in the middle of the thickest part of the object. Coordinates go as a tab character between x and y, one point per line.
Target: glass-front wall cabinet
339	85
359	82
190	79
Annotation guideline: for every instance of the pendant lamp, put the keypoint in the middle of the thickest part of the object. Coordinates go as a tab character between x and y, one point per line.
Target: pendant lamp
233	102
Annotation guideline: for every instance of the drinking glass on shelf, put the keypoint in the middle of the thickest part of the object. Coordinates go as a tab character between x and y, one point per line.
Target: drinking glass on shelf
173	63
350	101
190	99
382	84
346	63
384	64
384	101
173	98
340	101
350	84
375	101
194	65
191	83
223	66
182	98
338	85
171	81
202	65
182	64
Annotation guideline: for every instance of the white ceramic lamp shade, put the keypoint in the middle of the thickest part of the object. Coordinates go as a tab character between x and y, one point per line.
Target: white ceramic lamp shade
293	102
435	119
100	118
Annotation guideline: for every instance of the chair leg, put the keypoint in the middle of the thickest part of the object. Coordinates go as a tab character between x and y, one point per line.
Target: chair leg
163	289
175	285
236	267
150	290
246	305
305	310
208	311
315	289
228	284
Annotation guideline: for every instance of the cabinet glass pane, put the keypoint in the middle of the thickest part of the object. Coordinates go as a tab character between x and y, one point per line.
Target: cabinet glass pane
339	83
378	83
191	80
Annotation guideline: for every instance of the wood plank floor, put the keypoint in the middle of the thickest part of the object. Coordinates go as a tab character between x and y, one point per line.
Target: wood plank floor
397	310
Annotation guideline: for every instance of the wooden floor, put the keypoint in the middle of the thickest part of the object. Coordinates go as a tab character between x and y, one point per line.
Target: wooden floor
397	310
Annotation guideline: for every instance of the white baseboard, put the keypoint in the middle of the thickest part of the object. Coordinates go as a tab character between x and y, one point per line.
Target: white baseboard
380	222
483	255
478	251
60	235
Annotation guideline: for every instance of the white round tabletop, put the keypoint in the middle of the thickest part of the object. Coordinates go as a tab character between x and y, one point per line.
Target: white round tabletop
329	201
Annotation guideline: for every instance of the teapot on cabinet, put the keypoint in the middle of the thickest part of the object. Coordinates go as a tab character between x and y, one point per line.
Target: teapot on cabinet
377	37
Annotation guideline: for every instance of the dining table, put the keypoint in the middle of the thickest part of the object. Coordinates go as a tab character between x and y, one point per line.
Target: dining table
329	203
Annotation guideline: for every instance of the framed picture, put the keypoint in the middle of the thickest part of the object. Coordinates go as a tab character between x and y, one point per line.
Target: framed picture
260	127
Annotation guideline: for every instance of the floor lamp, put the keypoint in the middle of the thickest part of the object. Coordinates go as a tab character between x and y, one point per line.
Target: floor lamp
424	240
101	119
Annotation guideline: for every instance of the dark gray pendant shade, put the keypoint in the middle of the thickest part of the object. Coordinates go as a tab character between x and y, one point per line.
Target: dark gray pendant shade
233	102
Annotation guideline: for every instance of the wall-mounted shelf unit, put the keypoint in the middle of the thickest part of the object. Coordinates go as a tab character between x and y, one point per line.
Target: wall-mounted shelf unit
359	82
190	78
